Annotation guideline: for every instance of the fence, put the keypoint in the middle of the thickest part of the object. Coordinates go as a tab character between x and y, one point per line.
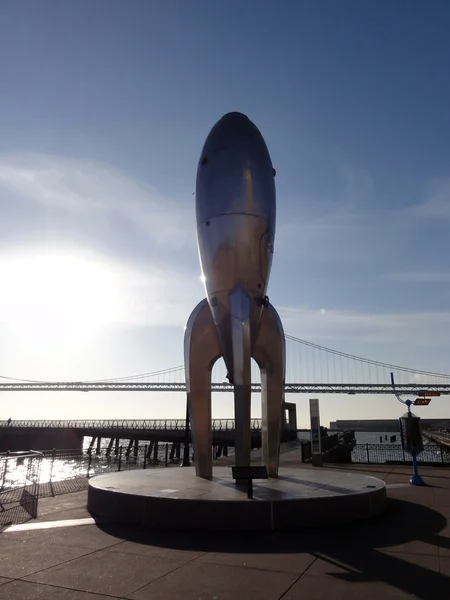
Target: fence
123	424
26	477
394	453
380	454
20	503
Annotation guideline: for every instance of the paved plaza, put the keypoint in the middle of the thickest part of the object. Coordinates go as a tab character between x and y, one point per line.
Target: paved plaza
404	553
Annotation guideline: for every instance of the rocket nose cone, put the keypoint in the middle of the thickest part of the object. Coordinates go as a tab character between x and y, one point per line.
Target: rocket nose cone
233	121
234	115
233	131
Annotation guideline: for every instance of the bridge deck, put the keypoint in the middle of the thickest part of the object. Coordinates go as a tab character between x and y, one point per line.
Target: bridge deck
121	424
290	388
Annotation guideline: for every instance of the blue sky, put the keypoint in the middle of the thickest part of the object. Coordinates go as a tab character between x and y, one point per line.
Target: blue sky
105	106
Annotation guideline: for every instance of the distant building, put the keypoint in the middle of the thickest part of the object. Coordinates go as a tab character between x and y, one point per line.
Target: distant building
384	424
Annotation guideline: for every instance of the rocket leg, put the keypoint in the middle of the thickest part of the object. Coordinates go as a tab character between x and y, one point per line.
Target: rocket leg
270	354
201	350
241	343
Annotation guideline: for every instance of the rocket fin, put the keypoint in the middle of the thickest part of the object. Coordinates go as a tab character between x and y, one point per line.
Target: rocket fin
269	352
201	350
241	347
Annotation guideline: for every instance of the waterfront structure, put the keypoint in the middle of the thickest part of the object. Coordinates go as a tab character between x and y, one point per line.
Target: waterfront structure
384	425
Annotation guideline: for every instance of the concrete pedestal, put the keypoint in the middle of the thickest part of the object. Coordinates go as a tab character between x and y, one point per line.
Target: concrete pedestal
174	499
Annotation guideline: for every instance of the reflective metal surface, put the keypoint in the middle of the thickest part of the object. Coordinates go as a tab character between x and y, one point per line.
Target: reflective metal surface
270	354
236	211
201	350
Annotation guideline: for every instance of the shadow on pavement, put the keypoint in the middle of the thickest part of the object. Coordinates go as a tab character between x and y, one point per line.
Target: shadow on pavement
358	467
361	549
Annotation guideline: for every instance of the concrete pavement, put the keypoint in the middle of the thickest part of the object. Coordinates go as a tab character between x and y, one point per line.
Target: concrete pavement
404	553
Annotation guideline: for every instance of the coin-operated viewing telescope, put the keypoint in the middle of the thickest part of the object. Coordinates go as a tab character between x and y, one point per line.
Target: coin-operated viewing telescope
236	211
411	433
412	442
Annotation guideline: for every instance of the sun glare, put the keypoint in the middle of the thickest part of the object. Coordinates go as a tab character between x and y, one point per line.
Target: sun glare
56	299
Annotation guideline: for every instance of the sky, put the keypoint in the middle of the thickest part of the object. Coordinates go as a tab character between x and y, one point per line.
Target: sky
105	106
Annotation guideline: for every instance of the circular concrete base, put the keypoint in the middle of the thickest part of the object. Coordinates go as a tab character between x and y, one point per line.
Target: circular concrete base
174	499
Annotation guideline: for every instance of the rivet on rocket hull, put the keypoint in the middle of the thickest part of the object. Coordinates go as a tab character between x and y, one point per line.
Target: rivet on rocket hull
236	213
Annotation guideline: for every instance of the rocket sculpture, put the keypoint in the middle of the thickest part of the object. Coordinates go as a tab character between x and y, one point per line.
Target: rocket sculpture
236	209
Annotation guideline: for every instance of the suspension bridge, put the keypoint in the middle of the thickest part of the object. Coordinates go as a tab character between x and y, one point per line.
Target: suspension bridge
310	369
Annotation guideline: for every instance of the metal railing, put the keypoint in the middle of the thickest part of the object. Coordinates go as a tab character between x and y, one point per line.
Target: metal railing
394	453
27	476
122	424
432	454
37	475
19	503
159	386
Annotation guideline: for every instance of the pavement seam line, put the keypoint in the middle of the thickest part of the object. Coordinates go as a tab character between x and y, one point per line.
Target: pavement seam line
298	579
67	545
168	573
253	568
61	587
70	560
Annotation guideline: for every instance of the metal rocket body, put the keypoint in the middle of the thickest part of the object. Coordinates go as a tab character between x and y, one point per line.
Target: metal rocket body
235	207
236	212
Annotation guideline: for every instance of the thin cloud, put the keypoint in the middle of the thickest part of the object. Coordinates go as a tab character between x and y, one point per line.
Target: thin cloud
103	208
419	277
158	295
78	287
342	227
437	204
359	188
428	329
319	230
86	190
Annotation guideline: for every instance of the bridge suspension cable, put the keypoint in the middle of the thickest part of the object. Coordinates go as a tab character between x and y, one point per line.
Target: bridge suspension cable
303	366
19	380
118	379
141	375
366	360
